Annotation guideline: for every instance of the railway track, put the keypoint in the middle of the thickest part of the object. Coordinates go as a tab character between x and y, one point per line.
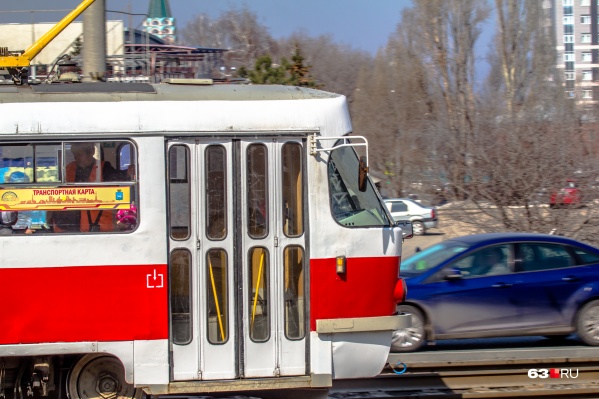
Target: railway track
452	374
482	374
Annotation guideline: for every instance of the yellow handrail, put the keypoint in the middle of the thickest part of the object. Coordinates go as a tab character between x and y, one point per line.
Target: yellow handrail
220	320
257	289
24	60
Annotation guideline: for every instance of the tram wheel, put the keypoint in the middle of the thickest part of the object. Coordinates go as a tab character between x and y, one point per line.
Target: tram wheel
97	376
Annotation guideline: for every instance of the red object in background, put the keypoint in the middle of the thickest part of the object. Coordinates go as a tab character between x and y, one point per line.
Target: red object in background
568	195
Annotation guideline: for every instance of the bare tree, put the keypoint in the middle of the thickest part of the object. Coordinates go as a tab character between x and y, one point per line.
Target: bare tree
334	65
237	30
529	140
446	32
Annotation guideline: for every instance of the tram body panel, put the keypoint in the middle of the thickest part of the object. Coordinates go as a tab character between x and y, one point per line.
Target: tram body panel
206	327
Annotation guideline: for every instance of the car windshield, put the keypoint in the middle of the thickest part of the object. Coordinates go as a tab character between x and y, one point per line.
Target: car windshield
430	257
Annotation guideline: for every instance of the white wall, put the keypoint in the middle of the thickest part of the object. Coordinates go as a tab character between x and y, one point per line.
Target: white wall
21	36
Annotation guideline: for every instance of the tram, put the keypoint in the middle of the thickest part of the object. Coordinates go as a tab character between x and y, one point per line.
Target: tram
188	238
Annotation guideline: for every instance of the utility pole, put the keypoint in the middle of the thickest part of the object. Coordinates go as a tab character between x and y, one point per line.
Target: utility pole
94	42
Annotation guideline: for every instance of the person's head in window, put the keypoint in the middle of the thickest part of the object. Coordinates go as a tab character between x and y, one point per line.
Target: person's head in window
84	154
490	262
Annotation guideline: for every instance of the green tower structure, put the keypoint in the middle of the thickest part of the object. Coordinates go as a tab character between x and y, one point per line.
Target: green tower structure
160	22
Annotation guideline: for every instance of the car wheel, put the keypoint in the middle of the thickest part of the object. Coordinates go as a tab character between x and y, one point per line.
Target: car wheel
587	323
412	338
418	228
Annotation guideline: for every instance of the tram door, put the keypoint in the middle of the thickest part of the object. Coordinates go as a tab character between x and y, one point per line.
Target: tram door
237	260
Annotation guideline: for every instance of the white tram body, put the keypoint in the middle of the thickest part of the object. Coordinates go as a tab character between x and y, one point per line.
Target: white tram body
248	259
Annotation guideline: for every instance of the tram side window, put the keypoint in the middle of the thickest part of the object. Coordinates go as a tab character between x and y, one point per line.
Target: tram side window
97	166
217	288
259	313
30	163
257	191
180	292
293	199
179	192
216	192
48	184
294	295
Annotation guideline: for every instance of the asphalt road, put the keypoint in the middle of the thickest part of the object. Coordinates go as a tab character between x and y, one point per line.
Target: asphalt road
424	241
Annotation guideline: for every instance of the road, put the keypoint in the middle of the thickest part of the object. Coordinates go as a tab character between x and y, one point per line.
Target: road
422	242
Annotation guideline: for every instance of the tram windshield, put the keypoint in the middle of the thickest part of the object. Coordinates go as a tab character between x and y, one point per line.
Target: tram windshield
350	206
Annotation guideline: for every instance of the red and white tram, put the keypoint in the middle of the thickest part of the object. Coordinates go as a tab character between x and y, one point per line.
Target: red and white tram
180	238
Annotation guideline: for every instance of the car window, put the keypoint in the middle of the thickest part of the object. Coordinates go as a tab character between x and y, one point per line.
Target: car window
586	257
431	257
485	262
398	207
537	256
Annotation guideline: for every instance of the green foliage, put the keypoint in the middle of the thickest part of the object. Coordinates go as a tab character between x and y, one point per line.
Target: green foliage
291	74
300	73
77	46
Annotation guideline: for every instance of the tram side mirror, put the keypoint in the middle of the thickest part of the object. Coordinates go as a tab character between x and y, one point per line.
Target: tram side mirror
362	174
406	229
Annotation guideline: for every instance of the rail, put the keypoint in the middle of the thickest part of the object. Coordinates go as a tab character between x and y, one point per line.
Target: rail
481	374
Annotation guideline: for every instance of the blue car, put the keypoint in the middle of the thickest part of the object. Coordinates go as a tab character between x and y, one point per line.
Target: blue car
500	285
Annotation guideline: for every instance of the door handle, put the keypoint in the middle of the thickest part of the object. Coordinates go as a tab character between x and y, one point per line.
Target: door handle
570	279
501	285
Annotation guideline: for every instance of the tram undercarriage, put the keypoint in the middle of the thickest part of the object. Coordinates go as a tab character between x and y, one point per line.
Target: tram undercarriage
98	376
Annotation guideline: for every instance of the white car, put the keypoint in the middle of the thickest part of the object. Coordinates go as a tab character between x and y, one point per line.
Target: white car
422	217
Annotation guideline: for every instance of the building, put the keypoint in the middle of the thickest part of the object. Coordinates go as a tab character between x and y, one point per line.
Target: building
21	36
132	55
160	21
576	24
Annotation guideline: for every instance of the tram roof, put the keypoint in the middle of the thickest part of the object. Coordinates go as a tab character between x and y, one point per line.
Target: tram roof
142	108
106	91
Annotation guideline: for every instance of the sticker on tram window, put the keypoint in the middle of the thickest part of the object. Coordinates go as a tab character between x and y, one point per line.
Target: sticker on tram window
53	198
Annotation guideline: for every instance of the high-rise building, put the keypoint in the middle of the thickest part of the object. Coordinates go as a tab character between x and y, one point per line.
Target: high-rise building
160	21
576	25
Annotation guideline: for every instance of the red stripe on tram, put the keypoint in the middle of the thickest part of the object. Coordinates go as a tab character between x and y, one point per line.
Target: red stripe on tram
84	303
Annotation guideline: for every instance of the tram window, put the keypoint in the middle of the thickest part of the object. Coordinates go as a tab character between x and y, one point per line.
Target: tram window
47	162
39	180
258	308
217	288
179	192
125	156
257	192
97	162
293	201
216	192
293	258
180	296
350	206
17	161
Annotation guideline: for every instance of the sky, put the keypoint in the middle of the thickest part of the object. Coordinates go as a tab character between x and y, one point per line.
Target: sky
362	24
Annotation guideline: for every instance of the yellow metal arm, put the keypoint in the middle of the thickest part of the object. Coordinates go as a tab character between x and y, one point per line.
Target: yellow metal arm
24	60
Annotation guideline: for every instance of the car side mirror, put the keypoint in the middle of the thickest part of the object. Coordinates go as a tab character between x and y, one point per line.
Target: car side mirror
362	174
406	229
454	274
